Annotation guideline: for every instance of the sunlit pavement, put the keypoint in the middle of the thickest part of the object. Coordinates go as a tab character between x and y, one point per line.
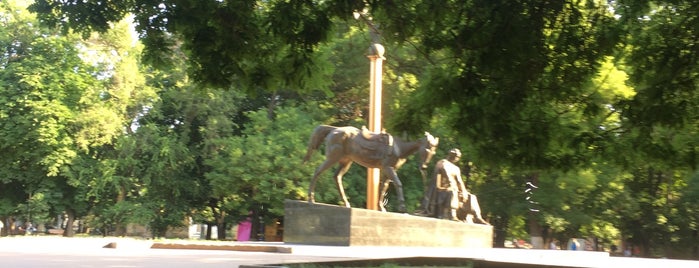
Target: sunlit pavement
50	251
90	252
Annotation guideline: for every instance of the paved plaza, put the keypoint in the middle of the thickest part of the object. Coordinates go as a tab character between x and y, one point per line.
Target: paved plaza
50	251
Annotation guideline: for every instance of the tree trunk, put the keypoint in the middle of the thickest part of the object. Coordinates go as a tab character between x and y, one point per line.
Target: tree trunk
695	246
221	230
272	105
535	231
5	226
119	226
256	220
221	225
500	226
68	231
535	228
208	230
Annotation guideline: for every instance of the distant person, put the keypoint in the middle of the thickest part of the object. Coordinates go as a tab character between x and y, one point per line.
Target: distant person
552	245
31	230
575	245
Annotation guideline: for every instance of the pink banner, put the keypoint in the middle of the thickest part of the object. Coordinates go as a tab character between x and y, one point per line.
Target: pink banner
244	230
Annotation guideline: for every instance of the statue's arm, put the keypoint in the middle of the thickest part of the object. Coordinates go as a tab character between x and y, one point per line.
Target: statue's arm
438	181
462	187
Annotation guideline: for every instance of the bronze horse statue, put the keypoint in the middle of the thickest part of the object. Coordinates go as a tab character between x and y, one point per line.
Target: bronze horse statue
344	145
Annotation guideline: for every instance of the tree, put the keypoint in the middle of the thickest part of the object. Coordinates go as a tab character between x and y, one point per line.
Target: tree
533	57
226	42
256	171
661	61
687	212
167	151
120	103
46	88
659	123
72	100
556	92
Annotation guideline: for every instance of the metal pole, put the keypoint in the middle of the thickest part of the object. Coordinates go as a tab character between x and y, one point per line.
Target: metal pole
373	174
375	55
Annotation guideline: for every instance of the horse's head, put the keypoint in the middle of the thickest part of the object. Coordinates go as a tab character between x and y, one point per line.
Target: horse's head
427	149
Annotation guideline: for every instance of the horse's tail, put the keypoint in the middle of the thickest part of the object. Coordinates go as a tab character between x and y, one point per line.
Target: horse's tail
316	139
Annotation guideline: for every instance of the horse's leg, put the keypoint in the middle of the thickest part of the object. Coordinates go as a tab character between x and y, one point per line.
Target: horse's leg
344	167
391	173
333	154
385	183
311	188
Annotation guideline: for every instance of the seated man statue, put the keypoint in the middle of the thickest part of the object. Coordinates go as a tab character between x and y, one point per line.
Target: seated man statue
447	197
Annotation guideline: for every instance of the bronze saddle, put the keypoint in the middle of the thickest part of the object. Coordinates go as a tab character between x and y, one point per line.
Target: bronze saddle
375	145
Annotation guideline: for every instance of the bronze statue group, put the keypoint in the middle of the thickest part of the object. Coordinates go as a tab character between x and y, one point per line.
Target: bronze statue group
446	196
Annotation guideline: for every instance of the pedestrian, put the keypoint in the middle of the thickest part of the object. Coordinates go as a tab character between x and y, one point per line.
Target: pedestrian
552	245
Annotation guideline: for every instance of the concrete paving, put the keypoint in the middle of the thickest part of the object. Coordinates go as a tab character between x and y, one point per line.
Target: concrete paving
59	252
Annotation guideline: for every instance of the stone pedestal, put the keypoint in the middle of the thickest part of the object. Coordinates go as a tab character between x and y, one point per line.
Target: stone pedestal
322	224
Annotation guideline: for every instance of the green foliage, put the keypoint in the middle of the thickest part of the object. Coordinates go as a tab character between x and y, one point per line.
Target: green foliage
69	100
518	89
661	61
244	36
263	165
595	100
45	89
169	148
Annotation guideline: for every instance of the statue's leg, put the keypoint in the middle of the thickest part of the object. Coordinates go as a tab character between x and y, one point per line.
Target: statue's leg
333	154
429	201
453	205
391	173
423	174
311	188
438	204
385	183
344	167
444	207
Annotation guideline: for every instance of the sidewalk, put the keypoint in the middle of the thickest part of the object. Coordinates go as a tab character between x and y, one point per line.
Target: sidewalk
559	258
277	253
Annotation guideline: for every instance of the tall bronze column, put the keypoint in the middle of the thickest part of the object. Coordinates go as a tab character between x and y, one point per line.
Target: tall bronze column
375	55
373	174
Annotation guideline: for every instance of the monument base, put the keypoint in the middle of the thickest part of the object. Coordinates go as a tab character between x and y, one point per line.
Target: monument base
322	224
